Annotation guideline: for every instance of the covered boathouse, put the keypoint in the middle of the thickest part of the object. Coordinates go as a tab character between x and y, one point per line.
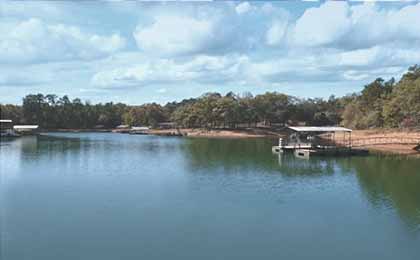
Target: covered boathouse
314	140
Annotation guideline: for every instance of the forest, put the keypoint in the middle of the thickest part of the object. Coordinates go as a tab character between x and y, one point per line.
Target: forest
381	104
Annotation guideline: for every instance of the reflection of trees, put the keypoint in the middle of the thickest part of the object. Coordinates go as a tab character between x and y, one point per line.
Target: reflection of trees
228	153
251	153
49	145
386	180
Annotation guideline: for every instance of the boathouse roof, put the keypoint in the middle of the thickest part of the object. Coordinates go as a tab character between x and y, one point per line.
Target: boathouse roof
26	127
319	129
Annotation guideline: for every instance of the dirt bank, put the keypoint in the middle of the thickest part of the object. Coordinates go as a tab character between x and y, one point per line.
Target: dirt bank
218	133
396	134
358	136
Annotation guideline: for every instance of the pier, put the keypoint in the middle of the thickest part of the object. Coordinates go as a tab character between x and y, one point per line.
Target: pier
306	141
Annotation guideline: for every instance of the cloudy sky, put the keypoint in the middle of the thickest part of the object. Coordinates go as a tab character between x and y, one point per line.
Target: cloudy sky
139	52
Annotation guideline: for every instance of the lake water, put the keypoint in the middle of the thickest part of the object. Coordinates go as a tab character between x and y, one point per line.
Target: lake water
112	196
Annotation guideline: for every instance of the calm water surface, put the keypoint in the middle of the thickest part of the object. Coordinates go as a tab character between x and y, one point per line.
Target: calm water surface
111	196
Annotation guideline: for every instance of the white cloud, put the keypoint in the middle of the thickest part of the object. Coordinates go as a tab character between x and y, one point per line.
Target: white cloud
201	69
340	25
193	46
355	75
276	32
172	34
16	76
216	70
322	25
202	30
32	41
243	8
30	8
363	57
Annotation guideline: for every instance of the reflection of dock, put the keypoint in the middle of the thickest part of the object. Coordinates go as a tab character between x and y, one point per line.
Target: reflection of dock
318	141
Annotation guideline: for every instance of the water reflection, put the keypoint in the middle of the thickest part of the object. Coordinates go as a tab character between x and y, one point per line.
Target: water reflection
387	182
228	153
131	196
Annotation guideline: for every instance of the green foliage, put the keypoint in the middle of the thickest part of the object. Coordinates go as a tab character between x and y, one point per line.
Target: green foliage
386	104
11	112
145	115
52	112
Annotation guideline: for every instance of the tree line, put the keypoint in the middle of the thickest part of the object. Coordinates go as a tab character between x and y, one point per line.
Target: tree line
380	104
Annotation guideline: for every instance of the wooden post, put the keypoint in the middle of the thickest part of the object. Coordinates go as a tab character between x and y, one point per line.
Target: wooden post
350	141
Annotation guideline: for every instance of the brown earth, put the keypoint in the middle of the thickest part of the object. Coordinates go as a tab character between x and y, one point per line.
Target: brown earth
407	149
218	133
357	136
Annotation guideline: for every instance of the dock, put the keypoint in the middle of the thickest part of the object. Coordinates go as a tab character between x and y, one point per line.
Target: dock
310	141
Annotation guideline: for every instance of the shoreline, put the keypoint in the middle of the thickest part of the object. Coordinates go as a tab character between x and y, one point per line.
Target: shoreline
394	149
218	133
187	132
357	135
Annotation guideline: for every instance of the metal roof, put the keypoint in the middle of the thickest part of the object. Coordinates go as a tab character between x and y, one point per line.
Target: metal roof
319	129
139	128
25	127
5	121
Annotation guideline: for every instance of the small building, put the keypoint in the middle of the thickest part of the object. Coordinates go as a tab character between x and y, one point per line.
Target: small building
26	129
167	125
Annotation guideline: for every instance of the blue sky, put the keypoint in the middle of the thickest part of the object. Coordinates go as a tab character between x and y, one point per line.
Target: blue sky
138	52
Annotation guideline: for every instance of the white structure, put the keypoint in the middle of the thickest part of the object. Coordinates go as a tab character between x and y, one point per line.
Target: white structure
26	129
319	129
314	137
140	128
6	128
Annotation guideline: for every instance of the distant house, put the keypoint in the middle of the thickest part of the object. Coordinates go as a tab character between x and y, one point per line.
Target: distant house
121	129
139	130
167	125
26	129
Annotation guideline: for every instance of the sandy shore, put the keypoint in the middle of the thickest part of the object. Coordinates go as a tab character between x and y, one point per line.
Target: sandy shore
219	133
407	149
357	136
80	130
